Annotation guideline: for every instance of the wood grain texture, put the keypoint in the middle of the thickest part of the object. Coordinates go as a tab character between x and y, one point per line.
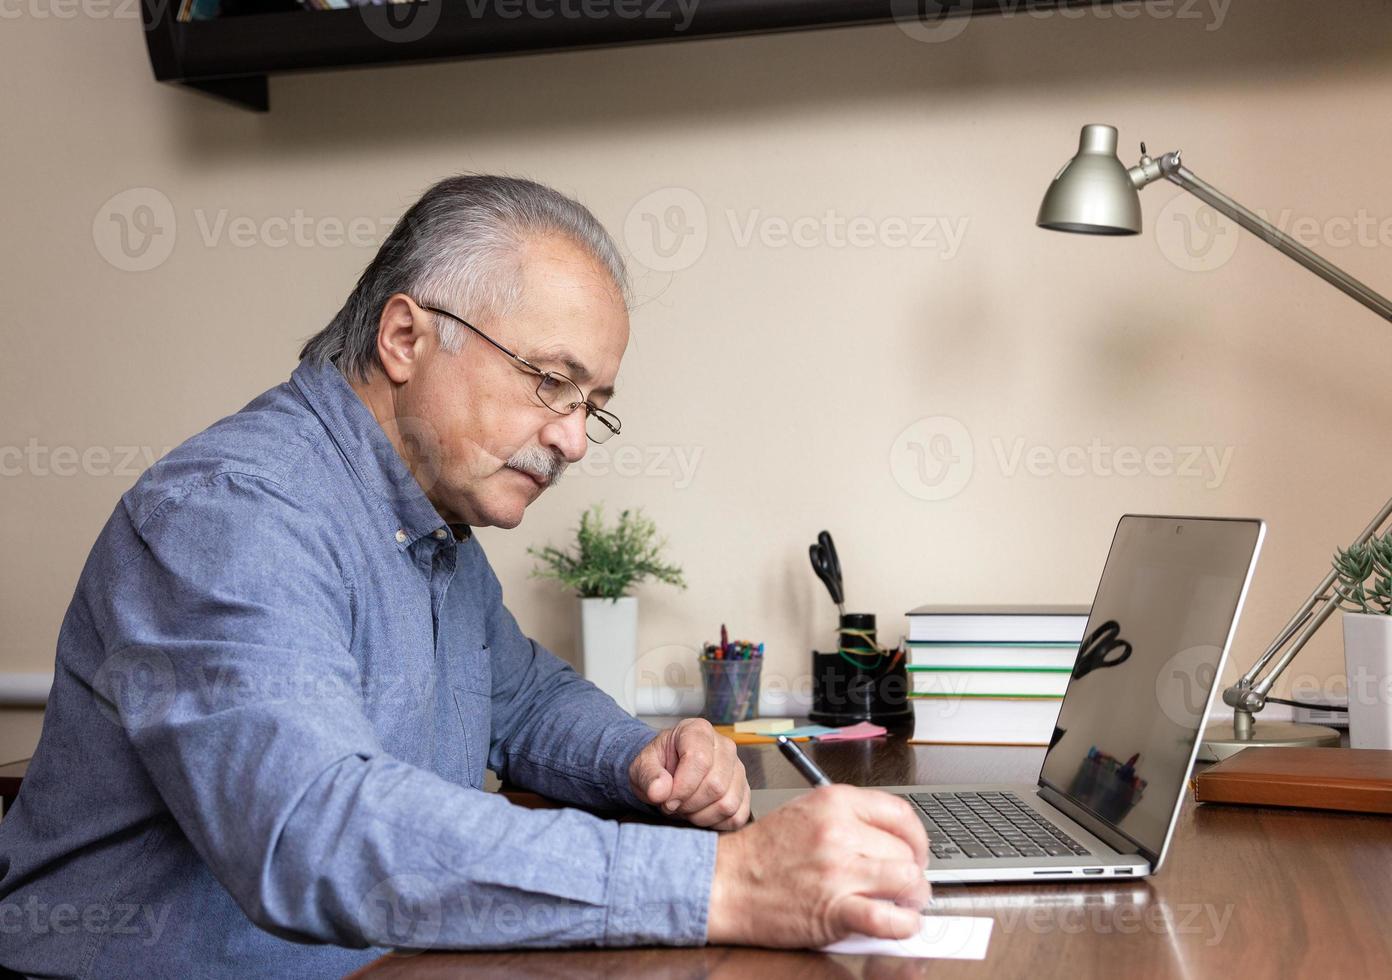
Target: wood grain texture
1259	892
1323	779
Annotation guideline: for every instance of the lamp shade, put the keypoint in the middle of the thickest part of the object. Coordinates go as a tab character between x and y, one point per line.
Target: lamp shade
1093	193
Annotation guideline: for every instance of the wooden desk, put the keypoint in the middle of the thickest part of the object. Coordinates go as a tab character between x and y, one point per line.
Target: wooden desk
1253	892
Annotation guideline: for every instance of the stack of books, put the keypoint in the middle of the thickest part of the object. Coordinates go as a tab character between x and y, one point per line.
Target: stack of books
991	675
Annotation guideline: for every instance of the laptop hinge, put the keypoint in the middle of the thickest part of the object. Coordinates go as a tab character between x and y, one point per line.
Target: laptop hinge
1108	834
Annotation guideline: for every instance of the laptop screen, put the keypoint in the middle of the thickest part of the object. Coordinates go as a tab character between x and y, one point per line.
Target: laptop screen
1152	651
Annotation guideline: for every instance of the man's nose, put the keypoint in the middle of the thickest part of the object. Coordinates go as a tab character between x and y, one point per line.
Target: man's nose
566	435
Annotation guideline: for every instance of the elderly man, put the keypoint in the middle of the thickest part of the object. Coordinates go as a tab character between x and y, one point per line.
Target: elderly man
287	665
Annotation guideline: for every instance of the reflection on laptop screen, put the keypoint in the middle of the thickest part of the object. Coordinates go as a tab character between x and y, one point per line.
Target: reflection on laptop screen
1147	665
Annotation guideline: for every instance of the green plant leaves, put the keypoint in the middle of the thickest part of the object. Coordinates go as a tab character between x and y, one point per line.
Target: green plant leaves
607	561
1364	575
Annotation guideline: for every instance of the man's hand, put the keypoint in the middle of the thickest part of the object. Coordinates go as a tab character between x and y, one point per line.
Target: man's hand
832	862
690	771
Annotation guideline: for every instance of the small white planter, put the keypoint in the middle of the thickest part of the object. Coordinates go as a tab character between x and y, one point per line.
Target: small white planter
609	635
1368	661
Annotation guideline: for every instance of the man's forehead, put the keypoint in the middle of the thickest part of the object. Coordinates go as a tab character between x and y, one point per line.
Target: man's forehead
571	314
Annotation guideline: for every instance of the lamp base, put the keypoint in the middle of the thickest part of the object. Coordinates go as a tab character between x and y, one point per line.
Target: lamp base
1219	742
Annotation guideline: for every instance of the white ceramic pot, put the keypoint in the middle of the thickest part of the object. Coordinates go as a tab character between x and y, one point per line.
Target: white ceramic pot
609	637
1368	661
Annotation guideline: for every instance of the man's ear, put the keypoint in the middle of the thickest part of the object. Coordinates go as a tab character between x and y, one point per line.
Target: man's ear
402	333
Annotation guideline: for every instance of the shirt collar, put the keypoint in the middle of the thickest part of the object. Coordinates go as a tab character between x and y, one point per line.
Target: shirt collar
408	515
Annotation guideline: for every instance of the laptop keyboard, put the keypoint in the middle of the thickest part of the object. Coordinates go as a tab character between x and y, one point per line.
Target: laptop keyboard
989	825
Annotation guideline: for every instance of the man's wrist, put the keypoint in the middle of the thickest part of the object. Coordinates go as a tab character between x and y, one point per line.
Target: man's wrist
724	918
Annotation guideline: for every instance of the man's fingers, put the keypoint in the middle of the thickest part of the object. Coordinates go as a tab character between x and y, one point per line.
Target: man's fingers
725	777
695	744
875	917
879	845
899	881
658	788
894	816
651	780
730	812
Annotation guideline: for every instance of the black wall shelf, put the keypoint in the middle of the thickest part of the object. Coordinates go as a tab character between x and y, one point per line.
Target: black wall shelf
232	57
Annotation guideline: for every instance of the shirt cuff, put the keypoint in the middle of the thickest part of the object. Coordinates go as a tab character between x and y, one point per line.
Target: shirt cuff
659	886
625	748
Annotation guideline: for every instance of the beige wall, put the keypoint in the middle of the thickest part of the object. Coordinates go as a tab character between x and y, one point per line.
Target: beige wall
793	371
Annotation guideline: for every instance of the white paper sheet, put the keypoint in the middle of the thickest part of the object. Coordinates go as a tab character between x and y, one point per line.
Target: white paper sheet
944	937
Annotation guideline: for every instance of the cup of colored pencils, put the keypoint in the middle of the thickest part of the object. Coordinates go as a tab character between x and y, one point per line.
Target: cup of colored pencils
730	678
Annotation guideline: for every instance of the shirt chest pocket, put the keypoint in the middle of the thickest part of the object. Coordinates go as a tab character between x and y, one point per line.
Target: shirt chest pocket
471	684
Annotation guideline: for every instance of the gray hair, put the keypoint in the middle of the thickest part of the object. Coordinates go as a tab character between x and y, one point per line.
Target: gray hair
459	248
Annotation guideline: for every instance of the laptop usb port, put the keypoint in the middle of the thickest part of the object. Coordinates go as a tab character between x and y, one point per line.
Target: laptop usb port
1092	871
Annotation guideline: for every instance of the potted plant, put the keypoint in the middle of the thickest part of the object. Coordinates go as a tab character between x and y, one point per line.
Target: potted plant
1364	586
605	564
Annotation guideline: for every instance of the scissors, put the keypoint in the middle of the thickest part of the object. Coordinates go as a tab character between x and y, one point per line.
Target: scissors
1096	648
827	565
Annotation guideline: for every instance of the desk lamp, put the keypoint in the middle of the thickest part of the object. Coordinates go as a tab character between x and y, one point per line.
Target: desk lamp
1096	194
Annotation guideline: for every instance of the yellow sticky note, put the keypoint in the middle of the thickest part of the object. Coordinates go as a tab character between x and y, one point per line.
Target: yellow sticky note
764	725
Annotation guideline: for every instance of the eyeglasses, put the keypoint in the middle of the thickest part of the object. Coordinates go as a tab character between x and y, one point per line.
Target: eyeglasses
556	391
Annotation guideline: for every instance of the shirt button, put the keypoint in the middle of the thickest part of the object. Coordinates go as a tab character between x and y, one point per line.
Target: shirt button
400	537
441	534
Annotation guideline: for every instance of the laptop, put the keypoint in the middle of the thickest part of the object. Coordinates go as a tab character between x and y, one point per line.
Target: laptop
1114	775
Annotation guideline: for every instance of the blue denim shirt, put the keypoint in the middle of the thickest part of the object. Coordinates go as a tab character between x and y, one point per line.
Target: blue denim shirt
278	686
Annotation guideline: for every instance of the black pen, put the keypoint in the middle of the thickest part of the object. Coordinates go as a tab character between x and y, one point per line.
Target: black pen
801	763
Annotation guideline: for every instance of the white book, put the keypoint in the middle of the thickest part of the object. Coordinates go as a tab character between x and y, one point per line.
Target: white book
985	721
985	655
998	624
988	683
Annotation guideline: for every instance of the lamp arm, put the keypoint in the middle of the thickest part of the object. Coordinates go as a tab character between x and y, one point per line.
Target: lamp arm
1169	167
1250	691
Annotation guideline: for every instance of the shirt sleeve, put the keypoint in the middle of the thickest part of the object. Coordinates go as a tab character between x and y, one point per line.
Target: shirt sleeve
231	636
553	731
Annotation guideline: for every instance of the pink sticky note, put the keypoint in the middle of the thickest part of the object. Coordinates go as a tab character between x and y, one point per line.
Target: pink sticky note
852	732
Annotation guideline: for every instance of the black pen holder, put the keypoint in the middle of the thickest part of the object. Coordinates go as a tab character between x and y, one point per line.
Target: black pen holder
858	683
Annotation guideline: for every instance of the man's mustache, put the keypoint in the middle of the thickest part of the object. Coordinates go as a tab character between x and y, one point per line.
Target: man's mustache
546	464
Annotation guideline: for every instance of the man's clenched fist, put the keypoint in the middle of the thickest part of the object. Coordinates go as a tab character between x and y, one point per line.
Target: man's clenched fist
690	771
